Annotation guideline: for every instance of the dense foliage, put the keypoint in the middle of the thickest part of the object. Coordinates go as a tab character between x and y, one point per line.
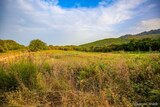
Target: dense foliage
146	44
140	45
36	45
6	45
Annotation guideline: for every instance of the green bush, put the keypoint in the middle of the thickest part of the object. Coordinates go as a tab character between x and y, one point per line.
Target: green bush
7	81
36	45
19	75
25	73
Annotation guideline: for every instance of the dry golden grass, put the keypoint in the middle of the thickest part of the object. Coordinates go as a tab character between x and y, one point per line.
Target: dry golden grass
78	79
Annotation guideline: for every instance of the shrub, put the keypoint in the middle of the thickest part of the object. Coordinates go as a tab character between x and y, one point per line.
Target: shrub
25	72
36	45
7	81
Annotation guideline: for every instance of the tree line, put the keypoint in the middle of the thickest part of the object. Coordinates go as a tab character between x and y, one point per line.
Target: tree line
146	44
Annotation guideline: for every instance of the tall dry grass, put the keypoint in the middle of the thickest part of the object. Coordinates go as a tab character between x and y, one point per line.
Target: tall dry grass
76	79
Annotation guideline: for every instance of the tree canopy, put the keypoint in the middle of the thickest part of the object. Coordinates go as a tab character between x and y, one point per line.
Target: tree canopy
36	45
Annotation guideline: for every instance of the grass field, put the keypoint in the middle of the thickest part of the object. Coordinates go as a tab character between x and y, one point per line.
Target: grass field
79	79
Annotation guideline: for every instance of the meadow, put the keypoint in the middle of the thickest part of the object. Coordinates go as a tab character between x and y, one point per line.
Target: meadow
79	79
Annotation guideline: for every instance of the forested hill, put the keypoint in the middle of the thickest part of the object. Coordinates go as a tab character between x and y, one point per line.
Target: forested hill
106	42
6	45
153	34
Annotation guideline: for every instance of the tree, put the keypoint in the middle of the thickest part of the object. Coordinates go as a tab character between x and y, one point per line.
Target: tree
36	45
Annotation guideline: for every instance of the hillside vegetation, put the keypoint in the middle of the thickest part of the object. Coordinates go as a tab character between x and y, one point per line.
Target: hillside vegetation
6	45
153	34
106	42
78	79
124	43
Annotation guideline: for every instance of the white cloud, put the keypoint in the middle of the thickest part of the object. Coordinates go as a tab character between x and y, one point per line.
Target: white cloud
149	24
74	25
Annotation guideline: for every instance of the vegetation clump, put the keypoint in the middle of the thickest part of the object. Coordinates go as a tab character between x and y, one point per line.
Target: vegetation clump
36	45
6	45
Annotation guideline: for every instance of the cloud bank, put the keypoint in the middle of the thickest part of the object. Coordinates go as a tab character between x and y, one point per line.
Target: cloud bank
24	20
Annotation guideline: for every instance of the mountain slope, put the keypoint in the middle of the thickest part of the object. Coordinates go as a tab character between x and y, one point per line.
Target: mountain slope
147	34
106	42
154	34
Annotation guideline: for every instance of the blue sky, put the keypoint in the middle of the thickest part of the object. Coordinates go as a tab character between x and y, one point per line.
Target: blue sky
82	3
66	22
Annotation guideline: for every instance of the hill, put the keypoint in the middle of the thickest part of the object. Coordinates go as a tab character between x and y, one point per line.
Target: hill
147	34
154	34
106	42
9	45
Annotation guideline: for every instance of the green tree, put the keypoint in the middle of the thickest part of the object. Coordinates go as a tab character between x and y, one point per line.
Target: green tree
36	45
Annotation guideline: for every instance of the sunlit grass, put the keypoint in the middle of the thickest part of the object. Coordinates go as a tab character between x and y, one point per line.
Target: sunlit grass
71	78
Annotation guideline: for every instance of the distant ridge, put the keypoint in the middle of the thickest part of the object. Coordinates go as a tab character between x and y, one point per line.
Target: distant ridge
145	33
154	34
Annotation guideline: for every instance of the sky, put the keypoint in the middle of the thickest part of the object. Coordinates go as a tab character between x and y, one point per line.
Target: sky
75	22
